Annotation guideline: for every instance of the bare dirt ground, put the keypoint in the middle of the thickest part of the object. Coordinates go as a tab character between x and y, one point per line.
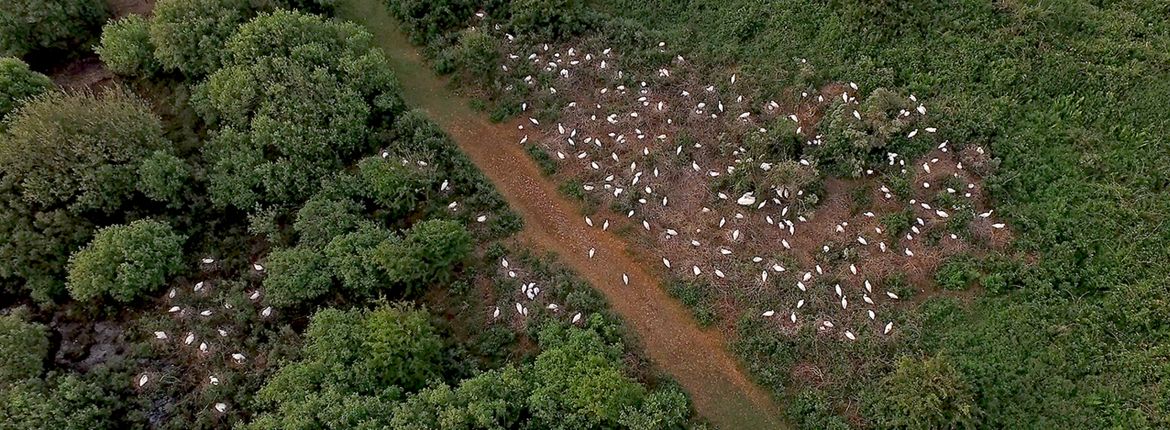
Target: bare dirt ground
697	358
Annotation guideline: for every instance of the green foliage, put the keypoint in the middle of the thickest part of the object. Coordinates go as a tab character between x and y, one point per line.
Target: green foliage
162	177
851	145
295	275
35	244
492	399
578	381
429	20
429	254
812	411
321	219
189	35
353	258
392	185
353	363
126	261
957	274
926	393
26	344
80	150
297	97
695	295
17	83
551	19
126	48
33	25
478	57
62	402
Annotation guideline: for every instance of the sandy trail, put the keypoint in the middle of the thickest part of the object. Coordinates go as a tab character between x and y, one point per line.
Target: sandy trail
698	359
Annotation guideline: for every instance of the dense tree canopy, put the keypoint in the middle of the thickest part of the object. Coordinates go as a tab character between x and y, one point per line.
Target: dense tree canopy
31	25
126	261
296	275
926	394
80	150
296	98
60	402
189	35
429	253
126	48
25	345
17	83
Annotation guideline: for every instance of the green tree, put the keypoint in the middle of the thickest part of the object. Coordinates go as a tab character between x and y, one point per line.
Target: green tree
80	150
490	400
25	345
35	243
126	261
162	177
321	219
551	19
17	83
352	257
296	99
428	254
578	382
926	394
352	364
189	35
60	402
429	20
126	48
33	25
296	275
393	186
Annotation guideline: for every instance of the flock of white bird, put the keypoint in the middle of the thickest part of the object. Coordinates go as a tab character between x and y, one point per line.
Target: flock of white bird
622	125
204	348
529	295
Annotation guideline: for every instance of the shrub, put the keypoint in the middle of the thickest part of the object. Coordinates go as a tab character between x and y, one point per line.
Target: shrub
17	83
80	150
478	57
957	274
392	185
162	177
429	20
551	19
352	257
25	345
126	48
322	219
295	275
125	261
297	98
428	254
61	402
189	35
32	25
926	394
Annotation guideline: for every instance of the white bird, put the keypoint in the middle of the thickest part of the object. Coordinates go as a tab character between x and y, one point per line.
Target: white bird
625	279
889	327
266	312
504	262
696	270
589	221
190	338
205	261
872	316
769	313
238	357
844	303
257	267
142	380
850	335
160	335
666	263
891	295
221	407
496	313
591	252
198	286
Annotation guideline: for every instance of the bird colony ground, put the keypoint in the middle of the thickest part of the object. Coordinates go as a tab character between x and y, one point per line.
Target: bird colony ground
697	173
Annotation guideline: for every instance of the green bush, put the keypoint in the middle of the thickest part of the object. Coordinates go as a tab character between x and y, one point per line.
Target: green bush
162	177
392	185
17	83
296	99
61	402
189	35
429	254
126	48
126	261
429	21
353	258
353	363
26	344
957	274
295	275
80	150
322	219
33	25
551	19
926	394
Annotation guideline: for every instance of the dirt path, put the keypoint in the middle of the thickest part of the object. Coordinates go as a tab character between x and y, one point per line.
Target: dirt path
697	358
